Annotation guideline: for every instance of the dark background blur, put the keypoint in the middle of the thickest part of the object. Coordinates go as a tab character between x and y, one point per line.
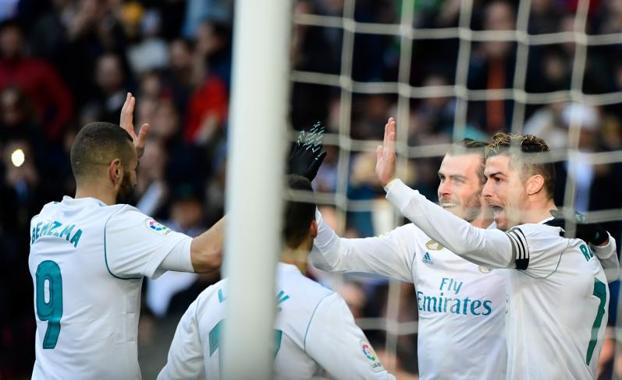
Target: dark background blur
64	63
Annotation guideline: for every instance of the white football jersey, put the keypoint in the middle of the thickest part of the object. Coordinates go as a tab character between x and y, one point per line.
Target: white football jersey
314	332
461	304
87	262
558	296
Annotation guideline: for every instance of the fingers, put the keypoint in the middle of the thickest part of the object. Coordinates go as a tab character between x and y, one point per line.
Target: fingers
379	151
312	140
321	157
142	133
389	131
127	114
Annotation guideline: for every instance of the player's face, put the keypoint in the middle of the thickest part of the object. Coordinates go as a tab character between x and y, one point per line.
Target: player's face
504	191
460	186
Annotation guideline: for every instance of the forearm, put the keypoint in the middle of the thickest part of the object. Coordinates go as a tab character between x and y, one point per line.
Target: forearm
385	255
206	249
483	247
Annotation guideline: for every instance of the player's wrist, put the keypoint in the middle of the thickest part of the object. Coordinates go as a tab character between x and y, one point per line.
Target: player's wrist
390	183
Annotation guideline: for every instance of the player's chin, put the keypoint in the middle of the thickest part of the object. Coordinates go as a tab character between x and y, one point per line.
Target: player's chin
500	218
454	209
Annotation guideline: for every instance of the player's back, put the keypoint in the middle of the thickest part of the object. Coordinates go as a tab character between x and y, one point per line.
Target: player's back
557	310
86	317
314	332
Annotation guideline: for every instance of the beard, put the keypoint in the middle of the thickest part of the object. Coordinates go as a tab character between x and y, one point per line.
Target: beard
126	192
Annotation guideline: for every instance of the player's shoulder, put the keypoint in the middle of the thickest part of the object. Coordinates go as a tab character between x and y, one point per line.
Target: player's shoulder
296	286
46	210
534	237
537	231
409	229
206	297
408	235
124	214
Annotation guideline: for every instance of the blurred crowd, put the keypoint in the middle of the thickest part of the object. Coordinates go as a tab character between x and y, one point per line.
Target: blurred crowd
64	63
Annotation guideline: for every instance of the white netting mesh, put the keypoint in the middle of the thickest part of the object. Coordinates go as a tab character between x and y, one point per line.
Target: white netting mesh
584	35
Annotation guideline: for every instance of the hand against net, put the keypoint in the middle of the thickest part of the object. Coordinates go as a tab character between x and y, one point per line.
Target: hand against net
592	233
127	122
385	154
306	154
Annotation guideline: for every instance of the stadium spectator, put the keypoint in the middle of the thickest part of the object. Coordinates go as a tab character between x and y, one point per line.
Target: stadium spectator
37	79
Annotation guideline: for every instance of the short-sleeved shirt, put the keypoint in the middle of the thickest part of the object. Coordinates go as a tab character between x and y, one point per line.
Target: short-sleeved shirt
314	332
87	262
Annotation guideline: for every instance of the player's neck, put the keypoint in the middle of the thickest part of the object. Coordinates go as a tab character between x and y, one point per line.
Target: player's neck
538	210
296	257
96	191
483	219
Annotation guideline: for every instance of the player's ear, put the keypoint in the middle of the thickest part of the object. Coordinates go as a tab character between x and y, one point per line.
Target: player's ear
535	184
313	229
115	171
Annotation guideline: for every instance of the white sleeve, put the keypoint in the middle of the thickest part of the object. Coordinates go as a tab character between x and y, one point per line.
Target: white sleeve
338	345
608	257
390	255
136	245
185	357
490	247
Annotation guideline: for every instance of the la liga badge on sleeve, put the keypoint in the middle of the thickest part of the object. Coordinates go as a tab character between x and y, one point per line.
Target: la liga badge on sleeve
370	355
156	227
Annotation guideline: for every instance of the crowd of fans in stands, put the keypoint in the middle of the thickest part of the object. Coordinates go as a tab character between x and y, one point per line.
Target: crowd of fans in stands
64	63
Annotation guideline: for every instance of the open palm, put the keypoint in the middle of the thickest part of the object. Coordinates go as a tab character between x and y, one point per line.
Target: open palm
385	154
127	122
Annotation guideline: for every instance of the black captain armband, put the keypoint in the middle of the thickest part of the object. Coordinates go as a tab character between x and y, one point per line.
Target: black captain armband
520	251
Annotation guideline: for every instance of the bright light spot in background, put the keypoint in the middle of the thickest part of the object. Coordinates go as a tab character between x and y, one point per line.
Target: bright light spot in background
18	157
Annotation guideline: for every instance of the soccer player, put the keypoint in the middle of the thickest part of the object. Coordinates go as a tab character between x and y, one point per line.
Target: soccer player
557	296
314	329
461	305
89	255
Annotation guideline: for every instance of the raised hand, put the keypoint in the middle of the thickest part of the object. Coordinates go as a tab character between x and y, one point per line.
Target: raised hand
385	154
306	154
127	122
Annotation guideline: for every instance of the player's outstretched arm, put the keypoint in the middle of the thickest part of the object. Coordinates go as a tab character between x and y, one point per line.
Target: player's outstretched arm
388	255
206	249
185	356
338	345
484	247
488	247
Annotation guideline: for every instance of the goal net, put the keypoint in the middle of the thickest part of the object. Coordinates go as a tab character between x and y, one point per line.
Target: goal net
448	70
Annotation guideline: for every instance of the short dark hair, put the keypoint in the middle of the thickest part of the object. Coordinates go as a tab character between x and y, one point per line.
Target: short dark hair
99	143
470	146
298	214
530	147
